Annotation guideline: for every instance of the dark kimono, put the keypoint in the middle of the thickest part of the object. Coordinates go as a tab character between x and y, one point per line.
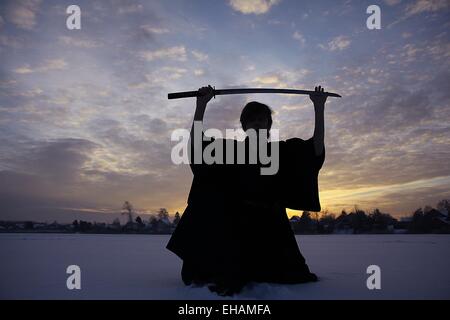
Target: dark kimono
235	228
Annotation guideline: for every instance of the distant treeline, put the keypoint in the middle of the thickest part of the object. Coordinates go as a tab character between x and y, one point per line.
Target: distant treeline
427	220
423	220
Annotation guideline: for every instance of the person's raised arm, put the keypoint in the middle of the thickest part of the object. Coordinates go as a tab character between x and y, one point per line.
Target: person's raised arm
319	128
206	95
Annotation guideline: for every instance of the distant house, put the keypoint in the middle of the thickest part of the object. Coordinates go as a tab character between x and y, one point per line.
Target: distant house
440	219
20	226
444	212
429	221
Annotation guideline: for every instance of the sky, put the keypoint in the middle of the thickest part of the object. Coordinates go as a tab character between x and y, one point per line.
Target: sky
85	122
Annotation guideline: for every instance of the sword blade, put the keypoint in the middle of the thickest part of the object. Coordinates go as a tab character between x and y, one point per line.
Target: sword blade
218	92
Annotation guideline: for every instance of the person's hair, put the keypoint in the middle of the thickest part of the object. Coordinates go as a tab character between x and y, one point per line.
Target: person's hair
252	110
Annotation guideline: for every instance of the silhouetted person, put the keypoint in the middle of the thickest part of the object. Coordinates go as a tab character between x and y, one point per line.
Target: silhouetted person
235	228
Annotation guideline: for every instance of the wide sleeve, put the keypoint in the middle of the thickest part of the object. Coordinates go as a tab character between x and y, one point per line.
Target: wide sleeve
210	179
298	174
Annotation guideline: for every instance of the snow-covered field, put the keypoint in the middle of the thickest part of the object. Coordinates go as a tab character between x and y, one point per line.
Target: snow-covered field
33	266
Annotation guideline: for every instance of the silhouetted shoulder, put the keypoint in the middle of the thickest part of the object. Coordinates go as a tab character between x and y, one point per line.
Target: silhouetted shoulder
304	150
211	155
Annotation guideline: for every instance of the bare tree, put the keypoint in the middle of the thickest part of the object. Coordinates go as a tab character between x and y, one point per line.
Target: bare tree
176	219
444	207
127	209
163	214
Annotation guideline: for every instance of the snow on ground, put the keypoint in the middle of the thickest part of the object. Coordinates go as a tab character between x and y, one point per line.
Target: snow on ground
33	266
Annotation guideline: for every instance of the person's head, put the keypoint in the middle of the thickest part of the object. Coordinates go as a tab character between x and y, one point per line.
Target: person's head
256	116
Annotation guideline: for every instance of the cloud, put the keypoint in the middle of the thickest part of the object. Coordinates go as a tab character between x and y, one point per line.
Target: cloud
199	72
392	2
338	43
174	53
268	79
299	37
253	6
146	33
23	70
410	52
199	56
79	173
58	160
81	43
421	6
172	73
275	22
22	13
51	64
12	42
130	8
148	125
425	51
159	77
393	133
386	196
406	35
149	30
281	78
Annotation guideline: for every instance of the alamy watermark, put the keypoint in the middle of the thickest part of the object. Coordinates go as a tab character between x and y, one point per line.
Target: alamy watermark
74	280
374	280
73	22
374	20
213	153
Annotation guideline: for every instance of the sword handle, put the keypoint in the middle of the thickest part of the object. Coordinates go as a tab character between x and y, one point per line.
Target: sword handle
185	94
